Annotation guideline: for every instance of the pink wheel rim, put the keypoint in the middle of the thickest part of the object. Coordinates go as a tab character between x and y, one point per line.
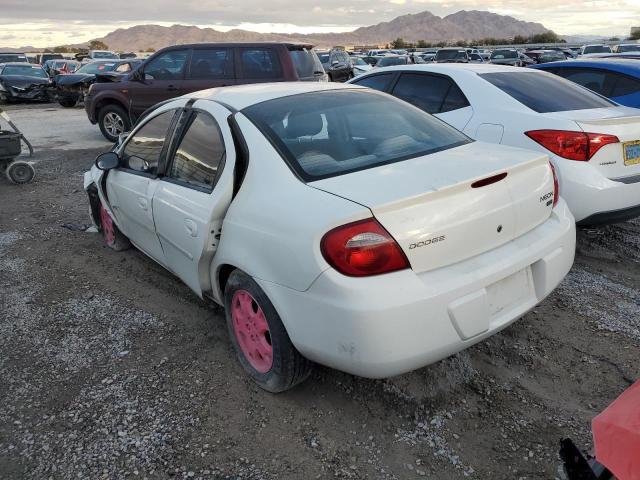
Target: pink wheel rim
108	229
252	331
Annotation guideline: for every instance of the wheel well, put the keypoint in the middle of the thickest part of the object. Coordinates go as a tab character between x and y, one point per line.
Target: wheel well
94	203
223	275
108	101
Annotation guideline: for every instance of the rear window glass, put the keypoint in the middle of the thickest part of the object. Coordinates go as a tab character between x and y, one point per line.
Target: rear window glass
9	57
324	134
306	63
259	63
504	54
391	61
597	49
450	54
544	92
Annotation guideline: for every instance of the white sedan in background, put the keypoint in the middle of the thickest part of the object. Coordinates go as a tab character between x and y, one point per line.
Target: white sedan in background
336	224
594	143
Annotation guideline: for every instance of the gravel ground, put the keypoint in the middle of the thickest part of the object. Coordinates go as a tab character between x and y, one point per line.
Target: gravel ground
111	368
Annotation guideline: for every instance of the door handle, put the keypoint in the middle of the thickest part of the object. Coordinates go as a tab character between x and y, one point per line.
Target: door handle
172	88
191	227
142	202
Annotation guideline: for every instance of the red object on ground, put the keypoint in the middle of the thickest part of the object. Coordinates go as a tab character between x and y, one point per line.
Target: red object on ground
616	435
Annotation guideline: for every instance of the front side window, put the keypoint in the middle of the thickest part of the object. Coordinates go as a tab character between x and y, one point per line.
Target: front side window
200	153
167	66
144	148
211	63
260	63
123	68
544	92
329	133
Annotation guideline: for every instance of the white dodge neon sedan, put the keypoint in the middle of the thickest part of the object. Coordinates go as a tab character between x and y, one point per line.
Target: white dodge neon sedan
336	224
594	143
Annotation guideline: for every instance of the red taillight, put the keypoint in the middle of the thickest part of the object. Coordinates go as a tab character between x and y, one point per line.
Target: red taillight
556	185
362	248
572	145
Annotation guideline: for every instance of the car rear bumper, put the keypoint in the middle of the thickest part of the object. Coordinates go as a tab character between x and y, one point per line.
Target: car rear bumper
596	199
389	324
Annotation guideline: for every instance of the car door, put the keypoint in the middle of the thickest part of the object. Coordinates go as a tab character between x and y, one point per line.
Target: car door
192	197
435	94
209	68
159	79
130	187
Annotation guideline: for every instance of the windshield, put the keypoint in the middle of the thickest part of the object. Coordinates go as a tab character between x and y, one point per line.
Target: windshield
358	61
104	55
97	67
544	92
328	133
390	61
597	49
26	70
499	54
629	48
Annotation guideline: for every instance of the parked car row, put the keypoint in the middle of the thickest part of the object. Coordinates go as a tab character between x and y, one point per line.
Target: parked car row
486	169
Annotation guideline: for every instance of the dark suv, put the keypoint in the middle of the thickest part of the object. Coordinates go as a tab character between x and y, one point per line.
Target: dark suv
180	69
337	64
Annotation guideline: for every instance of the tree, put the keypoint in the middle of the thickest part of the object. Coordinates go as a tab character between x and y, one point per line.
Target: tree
61	49
398	43
422	44
98	45
635	35
150	50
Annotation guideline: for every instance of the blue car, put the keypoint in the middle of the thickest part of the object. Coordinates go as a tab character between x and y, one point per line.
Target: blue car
617	79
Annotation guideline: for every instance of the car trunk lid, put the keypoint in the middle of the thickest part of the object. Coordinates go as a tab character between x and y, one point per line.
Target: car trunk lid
452	205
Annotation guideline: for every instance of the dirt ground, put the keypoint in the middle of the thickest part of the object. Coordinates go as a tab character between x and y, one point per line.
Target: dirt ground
111	368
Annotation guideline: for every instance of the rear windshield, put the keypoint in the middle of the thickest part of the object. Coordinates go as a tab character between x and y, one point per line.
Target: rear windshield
306	63
498	54
329	133
390	61
27	71
449	54
597	49
10	57
104	55
629	48
544	92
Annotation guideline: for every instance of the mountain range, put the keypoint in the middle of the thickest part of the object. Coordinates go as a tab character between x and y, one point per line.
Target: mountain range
462	25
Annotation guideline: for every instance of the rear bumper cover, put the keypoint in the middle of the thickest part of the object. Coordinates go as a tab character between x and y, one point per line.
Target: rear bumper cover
389	324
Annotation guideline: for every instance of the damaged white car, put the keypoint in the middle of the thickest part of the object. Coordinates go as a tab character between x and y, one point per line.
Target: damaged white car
336	224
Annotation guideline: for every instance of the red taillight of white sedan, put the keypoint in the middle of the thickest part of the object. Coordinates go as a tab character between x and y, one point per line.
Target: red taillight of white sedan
362	248
579	146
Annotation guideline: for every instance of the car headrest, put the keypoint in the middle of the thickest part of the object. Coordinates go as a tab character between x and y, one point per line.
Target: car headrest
303	124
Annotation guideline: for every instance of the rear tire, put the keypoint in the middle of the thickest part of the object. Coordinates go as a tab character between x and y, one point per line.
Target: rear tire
259	338
113	237
113	121
20	172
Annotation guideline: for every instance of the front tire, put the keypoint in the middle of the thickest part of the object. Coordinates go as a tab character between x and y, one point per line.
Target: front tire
259	337
113	121
113	237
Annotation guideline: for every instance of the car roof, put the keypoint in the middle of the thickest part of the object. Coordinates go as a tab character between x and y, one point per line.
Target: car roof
239	97
236	44
455	68
622	65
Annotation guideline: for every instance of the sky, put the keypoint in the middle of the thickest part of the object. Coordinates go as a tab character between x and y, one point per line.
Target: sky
54	22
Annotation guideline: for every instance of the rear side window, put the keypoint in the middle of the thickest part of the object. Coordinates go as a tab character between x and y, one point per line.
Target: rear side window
260	63
306	63
211	63
200	153
377	82
329	133
544	92
598	81
144	148
624	85
431	93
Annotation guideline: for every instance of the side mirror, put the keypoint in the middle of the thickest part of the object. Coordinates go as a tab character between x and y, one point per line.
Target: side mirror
107	161
148	77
